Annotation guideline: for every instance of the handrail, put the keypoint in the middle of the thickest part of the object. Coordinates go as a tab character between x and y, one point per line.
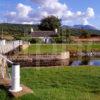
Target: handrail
3	57
6	59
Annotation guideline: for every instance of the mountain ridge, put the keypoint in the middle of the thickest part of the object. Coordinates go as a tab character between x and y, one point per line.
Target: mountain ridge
86	27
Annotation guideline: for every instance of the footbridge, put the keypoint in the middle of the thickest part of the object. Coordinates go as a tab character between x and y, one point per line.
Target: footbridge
10	46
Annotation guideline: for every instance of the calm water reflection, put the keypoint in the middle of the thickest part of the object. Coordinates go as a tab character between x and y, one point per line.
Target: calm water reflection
94	62
91	62
85	60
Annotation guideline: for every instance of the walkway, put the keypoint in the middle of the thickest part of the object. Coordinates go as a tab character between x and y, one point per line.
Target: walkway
9	46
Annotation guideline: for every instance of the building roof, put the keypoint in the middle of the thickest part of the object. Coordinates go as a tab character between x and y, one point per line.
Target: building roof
44	34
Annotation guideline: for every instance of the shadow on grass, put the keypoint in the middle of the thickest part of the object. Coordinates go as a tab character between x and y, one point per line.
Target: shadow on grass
8	95
96	91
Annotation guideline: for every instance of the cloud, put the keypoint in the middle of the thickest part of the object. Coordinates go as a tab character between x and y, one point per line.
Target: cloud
23	10
21	15
44	2
84	21
27	14
52	7
90	12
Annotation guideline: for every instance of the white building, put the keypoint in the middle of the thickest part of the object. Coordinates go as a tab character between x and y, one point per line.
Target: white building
45	36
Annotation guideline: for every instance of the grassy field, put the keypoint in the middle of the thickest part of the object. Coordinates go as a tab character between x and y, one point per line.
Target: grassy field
57	48
63	83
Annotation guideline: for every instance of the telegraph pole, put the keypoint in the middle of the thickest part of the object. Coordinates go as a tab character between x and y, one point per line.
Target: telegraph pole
2	34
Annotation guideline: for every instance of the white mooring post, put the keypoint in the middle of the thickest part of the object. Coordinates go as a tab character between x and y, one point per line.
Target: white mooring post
15	82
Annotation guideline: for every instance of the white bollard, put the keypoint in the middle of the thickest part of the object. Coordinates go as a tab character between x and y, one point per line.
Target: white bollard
15	82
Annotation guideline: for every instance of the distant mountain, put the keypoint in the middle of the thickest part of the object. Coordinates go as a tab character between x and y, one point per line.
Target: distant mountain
87	27
66	26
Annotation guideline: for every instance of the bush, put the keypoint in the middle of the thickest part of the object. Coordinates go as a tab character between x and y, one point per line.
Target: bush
61	39
57	40
36	40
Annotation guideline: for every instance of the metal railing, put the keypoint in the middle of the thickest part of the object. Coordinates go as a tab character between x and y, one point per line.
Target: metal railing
3	69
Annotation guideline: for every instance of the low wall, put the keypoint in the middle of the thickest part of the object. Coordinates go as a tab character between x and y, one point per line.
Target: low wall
42	59
40	63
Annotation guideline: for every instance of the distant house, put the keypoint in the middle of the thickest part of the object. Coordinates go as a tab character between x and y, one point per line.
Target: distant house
45	36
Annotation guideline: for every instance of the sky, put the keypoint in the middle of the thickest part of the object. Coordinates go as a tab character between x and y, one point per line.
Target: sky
71	12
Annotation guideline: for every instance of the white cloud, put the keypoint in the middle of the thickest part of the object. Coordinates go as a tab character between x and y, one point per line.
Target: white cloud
21	15
78	13
23	10
90	12
84	21
87	15
44	2
26	14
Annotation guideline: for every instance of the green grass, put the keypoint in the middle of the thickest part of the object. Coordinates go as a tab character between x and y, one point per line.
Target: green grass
3	94
57	48
63	83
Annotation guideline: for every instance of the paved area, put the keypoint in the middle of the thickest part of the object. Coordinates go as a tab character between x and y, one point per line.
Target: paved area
5	81
25	90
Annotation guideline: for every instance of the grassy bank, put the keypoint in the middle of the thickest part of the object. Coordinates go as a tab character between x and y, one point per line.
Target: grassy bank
57	48
64	83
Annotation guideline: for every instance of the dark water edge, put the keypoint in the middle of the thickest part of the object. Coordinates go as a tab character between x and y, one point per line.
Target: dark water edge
84	60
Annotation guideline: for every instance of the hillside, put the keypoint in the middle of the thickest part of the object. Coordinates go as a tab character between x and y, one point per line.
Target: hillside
16	28
13	29
87	27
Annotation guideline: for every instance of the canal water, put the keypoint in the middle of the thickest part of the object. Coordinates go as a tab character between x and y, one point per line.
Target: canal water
85	60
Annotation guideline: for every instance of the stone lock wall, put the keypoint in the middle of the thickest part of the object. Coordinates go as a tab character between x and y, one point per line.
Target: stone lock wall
42	60
40	63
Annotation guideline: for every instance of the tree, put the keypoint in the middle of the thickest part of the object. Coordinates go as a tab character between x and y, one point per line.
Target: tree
50	23
84	34
66	35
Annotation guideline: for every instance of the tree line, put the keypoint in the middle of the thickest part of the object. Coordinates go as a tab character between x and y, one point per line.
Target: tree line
50	23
